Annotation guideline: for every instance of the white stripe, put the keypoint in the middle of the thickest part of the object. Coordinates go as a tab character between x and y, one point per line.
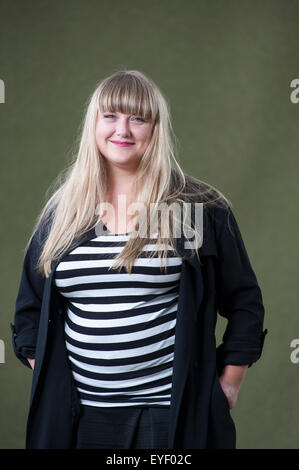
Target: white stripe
123	368
117	277
118	322
104	405
102	308
120	338
117	384
103	263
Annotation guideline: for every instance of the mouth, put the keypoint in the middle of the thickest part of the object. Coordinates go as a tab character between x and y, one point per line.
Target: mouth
122	144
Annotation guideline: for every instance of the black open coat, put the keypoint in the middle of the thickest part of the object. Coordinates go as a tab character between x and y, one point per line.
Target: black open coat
200	416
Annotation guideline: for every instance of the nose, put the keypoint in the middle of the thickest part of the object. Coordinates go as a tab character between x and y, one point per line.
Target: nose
122	127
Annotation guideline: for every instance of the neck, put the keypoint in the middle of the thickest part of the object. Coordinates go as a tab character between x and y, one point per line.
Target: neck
119	181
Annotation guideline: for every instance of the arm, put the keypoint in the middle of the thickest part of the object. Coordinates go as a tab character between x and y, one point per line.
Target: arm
28	304
239	300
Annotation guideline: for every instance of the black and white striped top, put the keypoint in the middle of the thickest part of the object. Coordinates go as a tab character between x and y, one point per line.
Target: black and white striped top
120	327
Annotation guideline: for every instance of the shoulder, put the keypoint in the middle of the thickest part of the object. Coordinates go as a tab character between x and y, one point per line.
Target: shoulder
216	207
201	191
219	224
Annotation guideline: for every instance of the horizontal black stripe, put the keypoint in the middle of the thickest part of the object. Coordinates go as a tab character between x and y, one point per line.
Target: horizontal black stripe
144	255
123	361
107	300
121	398
117	285
108	331
120	376
124	313
100	242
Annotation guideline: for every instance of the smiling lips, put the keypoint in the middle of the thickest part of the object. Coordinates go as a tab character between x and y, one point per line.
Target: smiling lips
122	144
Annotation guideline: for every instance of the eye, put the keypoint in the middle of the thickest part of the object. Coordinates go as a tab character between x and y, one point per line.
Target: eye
135	117
142	120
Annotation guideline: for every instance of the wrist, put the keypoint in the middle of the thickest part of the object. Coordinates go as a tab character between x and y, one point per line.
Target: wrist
232	376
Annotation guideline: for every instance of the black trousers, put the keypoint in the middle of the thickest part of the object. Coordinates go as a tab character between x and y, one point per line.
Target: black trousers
128	427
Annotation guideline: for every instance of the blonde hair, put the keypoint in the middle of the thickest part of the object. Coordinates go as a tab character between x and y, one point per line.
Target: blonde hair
71	210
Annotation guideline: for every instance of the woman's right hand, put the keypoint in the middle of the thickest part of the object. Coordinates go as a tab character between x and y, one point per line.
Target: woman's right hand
31	362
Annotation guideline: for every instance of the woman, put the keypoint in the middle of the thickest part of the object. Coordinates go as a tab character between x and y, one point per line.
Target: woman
123	351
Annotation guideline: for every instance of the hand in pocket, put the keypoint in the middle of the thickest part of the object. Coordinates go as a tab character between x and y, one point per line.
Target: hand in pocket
230	391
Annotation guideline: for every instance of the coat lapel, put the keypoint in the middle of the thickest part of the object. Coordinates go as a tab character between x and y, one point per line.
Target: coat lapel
191	293
46	305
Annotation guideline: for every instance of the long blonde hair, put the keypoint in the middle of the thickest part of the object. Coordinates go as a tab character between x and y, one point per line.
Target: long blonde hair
71	210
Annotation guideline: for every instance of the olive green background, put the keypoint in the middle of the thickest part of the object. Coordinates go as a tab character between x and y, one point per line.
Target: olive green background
225	67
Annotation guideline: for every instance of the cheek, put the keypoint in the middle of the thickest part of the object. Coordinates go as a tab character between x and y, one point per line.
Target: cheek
97	137
145	136
101	134
100	141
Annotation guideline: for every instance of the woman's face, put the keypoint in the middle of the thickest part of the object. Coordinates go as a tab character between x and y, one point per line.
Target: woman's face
112	128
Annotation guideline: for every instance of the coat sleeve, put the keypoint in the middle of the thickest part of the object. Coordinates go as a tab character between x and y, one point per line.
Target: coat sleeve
28	303
238	295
